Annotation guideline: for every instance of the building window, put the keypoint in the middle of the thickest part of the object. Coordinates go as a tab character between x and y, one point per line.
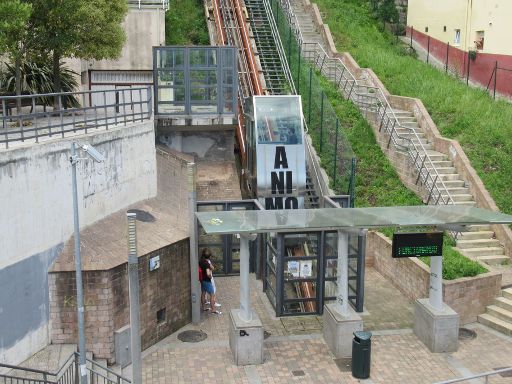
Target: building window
444	28
479	41
426	29
160	316
456	40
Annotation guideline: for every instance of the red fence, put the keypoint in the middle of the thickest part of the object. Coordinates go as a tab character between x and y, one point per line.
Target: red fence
487	70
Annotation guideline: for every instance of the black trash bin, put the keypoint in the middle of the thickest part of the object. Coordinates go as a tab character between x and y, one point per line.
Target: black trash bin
361	353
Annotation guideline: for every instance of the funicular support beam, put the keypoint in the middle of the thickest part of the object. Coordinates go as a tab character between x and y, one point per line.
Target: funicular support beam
245	327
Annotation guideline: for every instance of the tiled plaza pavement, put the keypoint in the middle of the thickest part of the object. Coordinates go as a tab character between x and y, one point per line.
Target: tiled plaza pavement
296	351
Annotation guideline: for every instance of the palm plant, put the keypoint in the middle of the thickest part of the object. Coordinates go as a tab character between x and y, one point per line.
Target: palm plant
38	79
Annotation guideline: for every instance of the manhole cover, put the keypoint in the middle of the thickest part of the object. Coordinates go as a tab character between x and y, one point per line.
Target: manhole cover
466	334
192	336
266	334
143	216
298	372
344	364
504	374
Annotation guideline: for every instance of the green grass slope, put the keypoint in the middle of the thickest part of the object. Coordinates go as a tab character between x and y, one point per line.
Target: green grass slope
481	125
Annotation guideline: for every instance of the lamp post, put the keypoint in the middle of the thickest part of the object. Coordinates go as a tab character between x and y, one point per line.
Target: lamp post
74	159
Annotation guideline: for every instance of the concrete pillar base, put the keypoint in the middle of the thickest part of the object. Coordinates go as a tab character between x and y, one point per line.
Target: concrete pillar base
338	330
246	339
438	330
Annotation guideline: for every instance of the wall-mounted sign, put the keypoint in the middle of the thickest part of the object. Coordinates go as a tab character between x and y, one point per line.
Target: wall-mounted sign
417	244
154	263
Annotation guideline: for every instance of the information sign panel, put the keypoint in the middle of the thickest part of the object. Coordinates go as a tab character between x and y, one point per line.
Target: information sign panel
417	244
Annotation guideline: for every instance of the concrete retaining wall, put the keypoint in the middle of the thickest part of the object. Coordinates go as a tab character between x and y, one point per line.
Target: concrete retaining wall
37	218
467	296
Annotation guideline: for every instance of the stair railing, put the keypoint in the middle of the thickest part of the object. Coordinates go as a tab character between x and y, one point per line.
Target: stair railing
374	100
67	374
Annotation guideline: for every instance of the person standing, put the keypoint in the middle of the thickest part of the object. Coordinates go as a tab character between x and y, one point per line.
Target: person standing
207	282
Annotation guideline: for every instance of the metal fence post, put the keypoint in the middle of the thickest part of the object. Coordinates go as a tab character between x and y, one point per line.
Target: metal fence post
289	43
322	122
428	49
133	279
495	78
447	56
412	30
336	153
467	77
310	94
298	71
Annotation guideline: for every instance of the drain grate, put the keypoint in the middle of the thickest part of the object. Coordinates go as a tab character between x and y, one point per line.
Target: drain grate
143	216
466	334
344	364
298	372
192	336
504	374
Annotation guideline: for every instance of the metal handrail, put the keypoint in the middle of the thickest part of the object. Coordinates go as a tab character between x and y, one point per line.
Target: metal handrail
119	378
68	373
395	137
279	46
151	3
484	374
96	109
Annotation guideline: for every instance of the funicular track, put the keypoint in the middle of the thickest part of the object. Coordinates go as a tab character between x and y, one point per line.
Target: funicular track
261	71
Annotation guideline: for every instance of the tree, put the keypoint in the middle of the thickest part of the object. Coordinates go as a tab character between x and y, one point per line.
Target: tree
14	16
387	11
86	29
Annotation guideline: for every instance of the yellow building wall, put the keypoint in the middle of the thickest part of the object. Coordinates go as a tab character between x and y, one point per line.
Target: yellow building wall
493	17
436	14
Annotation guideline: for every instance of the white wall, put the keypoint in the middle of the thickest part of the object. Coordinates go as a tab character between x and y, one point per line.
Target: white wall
35	184
144	28
36	217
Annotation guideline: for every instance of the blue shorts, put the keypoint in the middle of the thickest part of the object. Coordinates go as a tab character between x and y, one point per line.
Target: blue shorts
207	286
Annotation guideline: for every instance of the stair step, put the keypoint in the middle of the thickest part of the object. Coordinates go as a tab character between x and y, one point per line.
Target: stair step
449	176
500	313
477	243
441	170
504	303
507	293
451	183
470	203
473	235
482	252
479	227
459	197
495	323
435	156
494	259
458	191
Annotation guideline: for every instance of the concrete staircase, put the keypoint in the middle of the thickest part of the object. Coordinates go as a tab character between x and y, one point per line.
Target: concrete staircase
499	315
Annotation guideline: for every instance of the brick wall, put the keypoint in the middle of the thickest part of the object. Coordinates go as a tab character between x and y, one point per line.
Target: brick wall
467	296
107	302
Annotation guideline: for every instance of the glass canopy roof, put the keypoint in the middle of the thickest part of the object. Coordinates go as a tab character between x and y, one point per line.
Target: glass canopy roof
304	220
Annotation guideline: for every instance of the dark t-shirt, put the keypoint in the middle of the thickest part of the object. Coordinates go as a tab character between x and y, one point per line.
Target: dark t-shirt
204	264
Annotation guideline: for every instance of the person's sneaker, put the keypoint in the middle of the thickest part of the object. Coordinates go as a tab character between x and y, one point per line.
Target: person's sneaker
207	302
216	312
218	305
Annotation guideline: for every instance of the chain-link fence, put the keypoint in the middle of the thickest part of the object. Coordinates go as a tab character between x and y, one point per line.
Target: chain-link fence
324	127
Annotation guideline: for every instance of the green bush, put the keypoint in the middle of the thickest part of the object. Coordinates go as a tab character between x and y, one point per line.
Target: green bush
454	264
185	23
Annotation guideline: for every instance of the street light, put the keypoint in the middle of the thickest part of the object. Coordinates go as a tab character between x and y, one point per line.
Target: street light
74	159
